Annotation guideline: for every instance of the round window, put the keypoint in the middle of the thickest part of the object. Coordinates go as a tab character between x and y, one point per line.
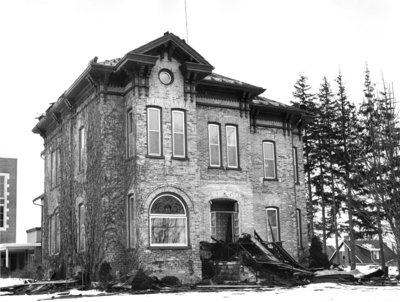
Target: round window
165	76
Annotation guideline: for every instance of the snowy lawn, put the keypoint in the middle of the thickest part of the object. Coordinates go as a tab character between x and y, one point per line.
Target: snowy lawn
310	293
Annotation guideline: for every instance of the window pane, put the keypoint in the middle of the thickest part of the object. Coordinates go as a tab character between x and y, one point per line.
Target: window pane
167	204
154	119
178	119
268	150
272	219
179	149
214	134
2	186
168	230
269	168
232	157
214	156
154	143
231	135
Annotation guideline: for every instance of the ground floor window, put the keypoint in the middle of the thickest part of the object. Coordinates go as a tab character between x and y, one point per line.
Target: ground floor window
168	221
299	229
273	232
224	220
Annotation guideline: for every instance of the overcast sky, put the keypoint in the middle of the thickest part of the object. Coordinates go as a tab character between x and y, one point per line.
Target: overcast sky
46	44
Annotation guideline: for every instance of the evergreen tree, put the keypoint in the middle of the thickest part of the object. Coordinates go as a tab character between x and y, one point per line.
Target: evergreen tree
306	101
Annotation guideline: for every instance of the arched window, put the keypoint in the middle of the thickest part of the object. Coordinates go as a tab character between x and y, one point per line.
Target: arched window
168	222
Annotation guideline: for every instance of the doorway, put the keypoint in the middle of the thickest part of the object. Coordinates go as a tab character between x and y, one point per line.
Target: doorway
224	220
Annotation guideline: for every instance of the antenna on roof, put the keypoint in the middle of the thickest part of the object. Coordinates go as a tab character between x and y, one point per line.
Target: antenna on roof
187	32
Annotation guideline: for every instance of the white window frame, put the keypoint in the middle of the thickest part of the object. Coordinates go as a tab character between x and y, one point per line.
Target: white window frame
82	145
273	159
4	199
158	110
295	165
183	133
229	165
277	227
218	128
169	216
129	133
130	217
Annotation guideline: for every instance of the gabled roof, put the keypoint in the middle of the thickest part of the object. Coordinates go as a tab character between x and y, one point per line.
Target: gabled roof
168	40
365	247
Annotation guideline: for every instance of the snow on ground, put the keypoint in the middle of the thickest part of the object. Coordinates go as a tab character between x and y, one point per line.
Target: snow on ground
310	293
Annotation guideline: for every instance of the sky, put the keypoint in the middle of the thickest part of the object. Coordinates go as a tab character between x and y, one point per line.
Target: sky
46	44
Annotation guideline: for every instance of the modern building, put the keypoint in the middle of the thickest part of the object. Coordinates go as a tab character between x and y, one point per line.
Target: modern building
150	154
8	200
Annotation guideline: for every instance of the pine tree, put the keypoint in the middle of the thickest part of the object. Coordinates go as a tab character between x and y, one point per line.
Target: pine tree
306	101
346	151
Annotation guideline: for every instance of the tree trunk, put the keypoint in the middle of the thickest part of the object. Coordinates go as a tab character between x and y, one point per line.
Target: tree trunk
382	255
351	224
310	205
334	214
323	209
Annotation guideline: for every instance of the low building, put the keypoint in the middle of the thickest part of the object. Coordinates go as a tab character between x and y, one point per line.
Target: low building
22	256
150	154
367	252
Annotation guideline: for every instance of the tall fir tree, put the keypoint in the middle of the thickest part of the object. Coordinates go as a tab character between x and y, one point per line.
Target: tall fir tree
306	101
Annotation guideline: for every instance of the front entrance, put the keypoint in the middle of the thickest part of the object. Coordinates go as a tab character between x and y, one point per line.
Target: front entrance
224	220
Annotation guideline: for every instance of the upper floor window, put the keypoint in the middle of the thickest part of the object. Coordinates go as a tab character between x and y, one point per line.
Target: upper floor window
273	232
3	198
55	168
232	146
168	222
130	216
81	227
295	166
214	143
81	147
178	134
269	160
299	228
129	134
154	147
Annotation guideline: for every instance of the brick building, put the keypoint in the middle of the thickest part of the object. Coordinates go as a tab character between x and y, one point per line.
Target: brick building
8	200
150	154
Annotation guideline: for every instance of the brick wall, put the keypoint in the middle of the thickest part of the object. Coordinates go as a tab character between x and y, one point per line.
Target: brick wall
109	177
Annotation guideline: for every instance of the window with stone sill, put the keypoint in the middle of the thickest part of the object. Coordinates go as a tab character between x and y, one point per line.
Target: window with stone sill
214	145
273	230
81	148
81	227
299	228
55	167
178	134
129	134
269	158
154	133
130	216
54	233
232	153
168	222
295	166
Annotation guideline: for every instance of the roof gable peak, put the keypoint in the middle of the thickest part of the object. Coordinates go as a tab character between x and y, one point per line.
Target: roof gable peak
173	46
